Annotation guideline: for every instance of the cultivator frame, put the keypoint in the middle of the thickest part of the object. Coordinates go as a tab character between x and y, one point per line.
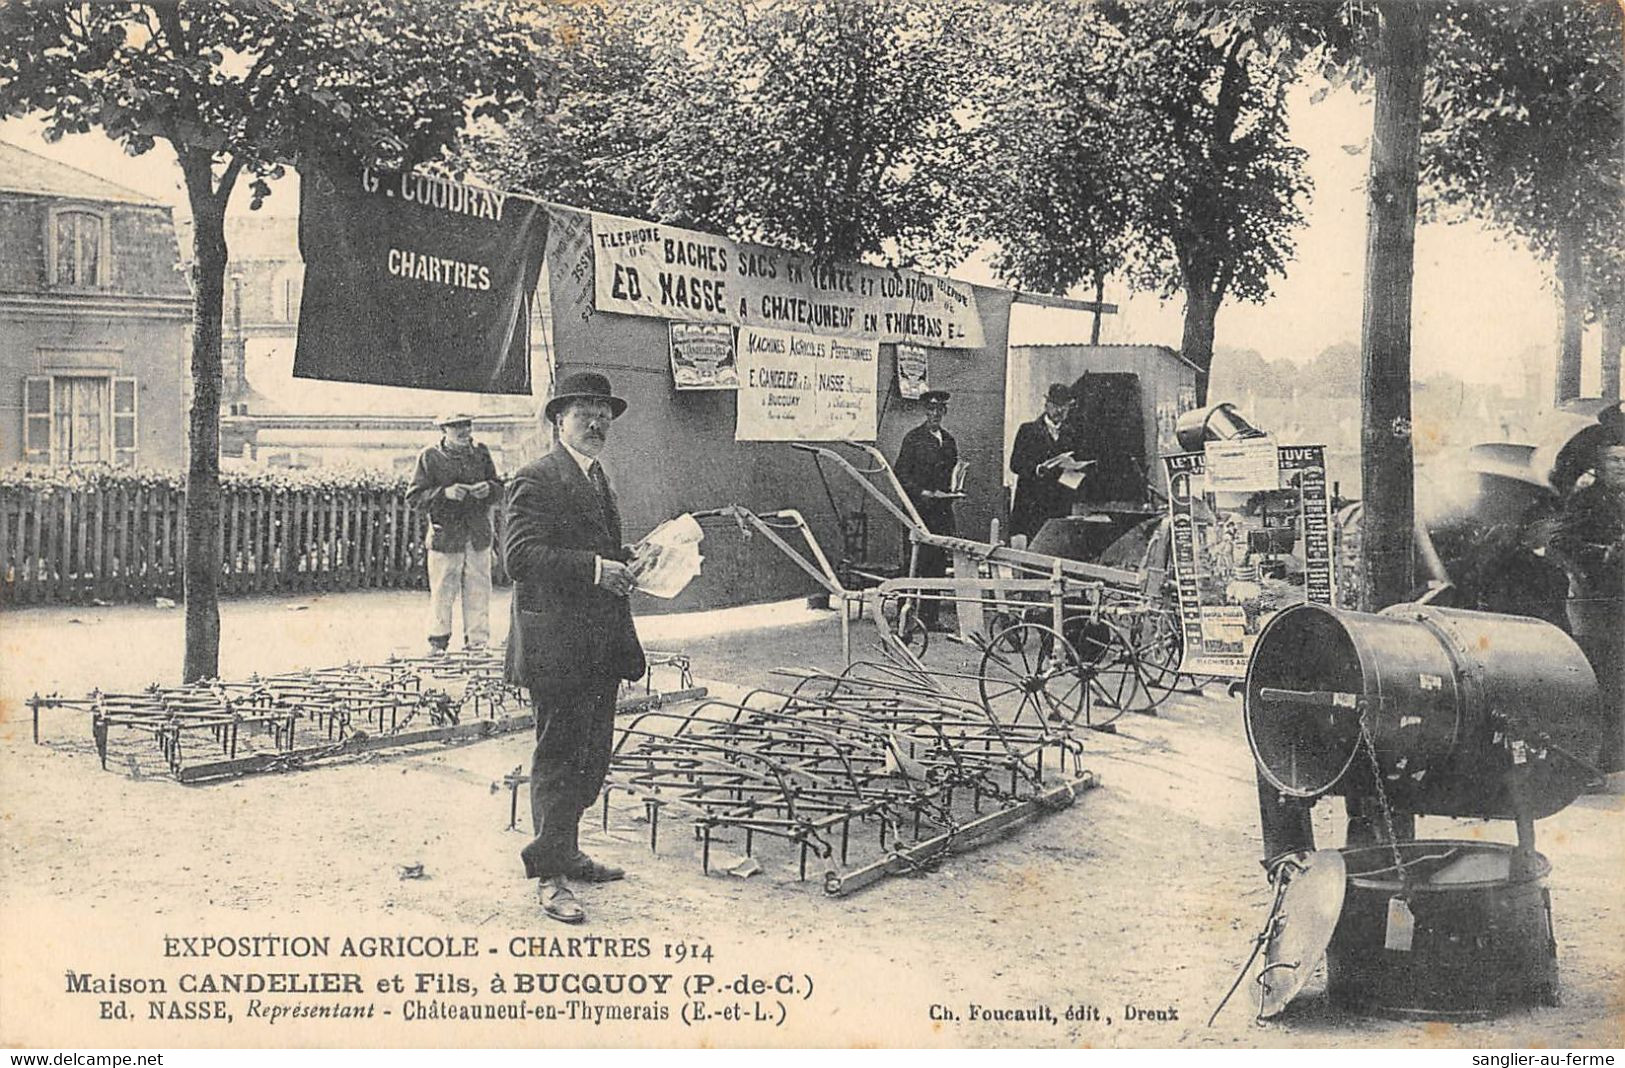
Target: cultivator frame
885	747
315	714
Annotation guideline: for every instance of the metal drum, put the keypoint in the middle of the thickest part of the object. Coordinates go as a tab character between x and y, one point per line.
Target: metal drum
1469	713
1217	422
1480	937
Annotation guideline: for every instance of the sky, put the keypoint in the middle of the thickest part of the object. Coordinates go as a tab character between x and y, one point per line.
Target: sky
1481	300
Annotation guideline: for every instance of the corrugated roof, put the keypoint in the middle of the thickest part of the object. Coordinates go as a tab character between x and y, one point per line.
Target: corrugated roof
22	171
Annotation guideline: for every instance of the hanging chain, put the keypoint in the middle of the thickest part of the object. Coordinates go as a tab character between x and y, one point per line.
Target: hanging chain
1370	745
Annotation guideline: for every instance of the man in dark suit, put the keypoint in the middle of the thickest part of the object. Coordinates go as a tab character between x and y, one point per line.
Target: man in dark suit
572	639
925	467
1038	459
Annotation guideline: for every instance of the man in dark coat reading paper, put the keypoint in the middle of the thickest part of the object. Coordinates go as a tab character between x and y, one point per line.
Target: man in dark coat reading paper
572	640
1038	459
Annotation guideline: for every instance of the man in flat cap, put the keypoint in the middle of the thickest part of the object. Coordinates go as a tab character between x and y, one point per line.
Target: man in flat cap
456	484
572	640
1041	454
925	468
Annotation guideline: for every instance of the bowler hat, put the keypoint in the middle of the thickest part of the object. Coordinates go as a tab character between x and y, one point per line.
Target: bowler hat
1058	394
583	385
454	419
935	396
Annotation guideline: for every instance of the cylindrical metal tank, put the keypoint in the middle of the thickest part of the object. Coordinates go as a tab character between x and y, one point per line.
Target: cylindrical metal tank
1469	713
1217	422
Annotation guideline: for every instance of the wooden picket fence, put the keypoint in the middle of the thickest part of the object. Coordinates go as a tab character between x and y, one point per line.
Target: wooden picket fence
127	543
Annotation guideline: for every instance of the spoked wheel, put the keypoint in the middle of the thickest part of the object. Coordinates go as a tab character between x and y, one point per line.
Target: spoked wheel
1029	670
1159	642
1117	681
916	636
902	618
1003	628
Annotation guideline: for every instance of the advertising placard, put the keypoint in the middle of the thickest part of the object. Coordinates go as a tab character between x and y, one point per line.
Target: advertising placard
1243	554
416	280
800	387
702	356
913	371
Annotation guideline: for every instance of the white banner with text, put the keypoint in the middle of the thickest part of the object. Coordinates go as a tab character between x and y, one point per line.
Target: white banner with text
644	268
800	387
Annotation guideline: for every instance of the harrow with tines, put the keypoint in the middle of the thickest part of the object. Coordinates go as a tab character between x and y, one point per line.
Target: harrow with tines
878	769
296	718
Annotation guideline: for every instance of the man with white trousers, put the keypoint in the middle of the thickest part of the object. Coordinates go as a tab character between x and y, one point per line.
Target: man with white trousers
456	483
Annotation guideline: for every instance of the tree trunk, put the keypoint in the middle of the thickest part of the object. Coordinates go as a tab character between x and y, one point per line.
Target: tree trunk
1571	284
1386	460
202	565
1613	339
1201	309
1100	299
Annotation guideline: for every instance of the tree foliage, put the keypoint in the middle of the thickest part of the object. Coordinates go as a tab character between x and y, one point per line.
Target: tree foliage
1149	141
247	88
1333	372
253	86
1524	125
824	126
589	141
1050	178
1525	129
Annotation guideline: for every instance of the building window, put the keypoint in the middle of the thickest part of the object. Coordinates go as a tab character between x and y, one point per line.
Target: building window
78	249
79	419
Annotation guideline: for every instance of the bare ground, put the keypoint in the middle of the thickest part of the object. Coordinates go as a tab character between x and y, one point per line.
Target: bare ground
1146	892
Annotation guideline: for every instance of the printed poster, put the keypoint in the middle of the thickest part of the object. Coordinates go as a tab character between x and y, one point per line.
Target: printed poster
799	387
702	356
1168	412
1240	466
1243	554
913	371
644	268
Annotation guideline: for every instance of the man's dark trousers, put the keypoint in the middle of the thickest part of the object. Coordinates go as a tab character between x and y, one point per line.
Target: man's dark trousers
575	730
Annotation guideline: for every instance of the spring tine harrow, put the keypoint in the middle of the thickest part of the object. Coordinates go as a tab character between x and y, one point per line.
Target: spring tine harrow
884	767
292	719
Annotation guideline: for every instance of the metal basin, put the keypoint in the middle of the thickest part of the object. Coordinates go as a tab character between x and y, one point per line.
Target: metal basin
1481	939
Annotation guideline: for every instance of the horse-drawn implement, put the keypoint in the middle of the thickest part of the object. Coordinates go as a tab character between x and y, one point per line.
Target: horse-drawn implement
1087	641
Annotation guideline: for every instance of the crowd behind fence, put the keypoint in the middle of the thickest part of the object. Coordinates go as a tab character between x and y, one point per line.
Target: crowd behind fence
113	540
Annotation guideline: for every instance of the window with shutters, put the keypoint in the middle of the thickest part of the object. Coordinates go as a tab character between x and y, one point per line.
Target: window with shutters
76	251
80	419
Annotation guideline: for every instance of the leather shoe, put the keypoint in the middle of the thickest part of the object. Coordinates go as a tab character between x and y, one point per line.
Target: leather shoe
558	903
589	870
